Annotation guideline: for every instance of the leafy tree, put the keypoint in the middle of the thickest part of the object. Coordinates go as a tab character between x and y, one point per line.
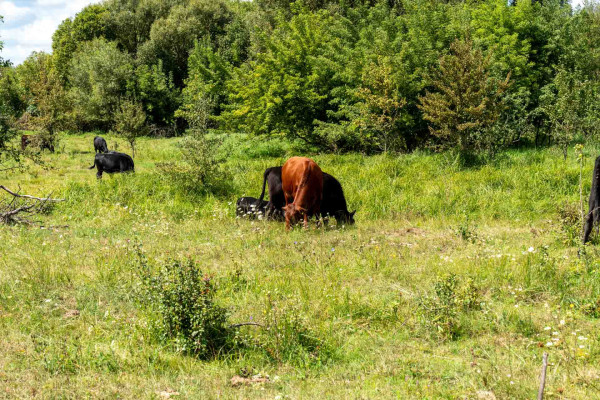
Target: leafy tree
6	114
47	103
172	38
380	109
130	122
572	104
286	89
205	91
465	100
156	91
88	24
100	75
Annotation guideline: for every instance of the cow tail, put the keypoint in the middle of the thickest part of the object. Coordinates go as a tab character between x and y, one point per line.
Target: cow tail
262	195
93	165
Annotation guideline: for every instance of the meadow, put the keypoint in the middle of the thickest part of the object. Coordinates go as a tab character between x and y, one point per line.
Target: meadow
452	283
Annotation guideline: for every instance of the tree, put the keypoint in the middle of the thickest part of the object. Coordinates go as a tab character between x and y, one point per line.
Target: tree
465	100
49	104
88	24
380	108
7	153
100	75
205	92
130	122
172	38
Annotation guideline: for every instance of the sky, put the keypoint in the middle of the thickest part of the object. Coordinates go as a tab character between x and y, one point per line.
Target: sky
29	24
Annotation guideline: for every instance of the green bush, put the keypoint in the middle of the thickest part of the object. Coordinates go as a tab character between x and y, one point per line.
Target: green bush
440	312
183	300
287	336
200	170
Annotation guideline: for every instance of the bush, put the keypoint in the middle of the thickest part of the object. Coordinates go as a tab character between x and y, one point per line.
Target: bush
440	312
289	337
200	170
130	122
183	300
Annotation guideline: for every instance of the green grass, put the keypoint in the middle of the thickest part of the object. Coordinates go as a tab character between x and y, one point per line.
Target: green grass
366	293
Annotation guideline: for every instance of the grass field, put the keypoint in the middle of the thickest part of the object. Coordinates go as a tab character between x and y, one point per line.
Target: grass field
452	283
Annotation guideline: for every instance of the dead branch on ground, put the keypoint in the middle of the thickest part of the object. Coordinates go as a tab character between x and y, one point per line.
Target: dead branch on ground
20	207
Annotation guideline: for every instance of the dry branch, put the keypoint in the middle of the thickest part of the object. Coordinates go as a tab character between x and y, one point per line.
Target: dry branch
21	205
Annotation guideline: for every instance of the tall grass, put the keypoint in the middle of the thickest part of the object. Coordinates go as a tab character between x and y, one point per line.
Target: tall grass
342	311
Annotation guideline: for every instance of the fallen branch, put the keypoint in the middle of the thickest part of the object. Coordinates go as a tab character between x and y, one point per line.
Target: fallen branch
12	212
25	196
246	324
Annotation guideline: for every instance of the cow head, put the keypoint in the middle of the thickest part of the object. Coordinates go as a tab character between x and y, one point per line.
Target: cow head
345	217
293	213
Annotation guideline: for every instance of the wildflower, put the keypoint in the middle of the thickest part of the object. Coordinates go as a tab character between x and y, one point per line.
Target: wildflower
333	249
512	383
562	321
581	346
549	344
531	249
547	328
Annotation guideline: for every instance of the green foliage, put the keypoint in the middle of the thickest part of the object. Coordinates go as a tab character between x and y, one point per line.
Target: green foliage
572	103
205	93
172	38
200	170
88	24
101	74
288	337
156	91
130	122
48	106
286	89
184	300
440	312
465	101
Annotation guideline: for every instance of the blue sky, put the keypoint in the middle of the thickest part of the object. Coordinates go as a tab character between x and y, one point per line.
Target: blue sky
29	24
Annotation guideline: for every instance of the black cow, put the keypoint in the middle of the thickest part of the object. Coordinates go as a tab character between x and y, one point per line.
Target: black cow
100	145
333	203
593	216
251	207
112	162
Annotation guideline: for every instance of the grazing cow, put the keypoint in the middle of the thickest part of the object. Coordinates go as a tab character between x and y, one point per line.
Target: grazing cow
250	207
100	145
333	204
593	215
302	182
276	199
112	162
36	141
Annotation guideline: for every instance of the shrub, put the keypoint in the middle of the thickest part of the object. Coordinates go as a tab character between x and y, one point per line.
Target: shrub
466	100
183	300
289	337
200	170
440	312
130	122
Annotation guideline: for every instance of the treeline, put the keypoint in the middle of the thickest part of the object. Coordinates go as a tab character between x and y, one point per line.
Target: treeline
338	75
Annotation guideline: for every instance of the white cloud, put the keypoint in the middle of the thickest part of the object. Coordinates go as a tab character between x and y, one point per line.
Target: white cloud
29	24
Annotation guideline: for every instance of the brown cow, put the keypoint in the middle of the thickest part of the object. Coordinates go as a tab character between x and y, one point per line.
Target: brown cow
302	182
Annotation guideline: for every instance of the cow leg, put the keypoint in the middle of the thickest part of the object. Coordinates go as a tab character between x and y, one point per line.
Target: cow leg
305	220
589	224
